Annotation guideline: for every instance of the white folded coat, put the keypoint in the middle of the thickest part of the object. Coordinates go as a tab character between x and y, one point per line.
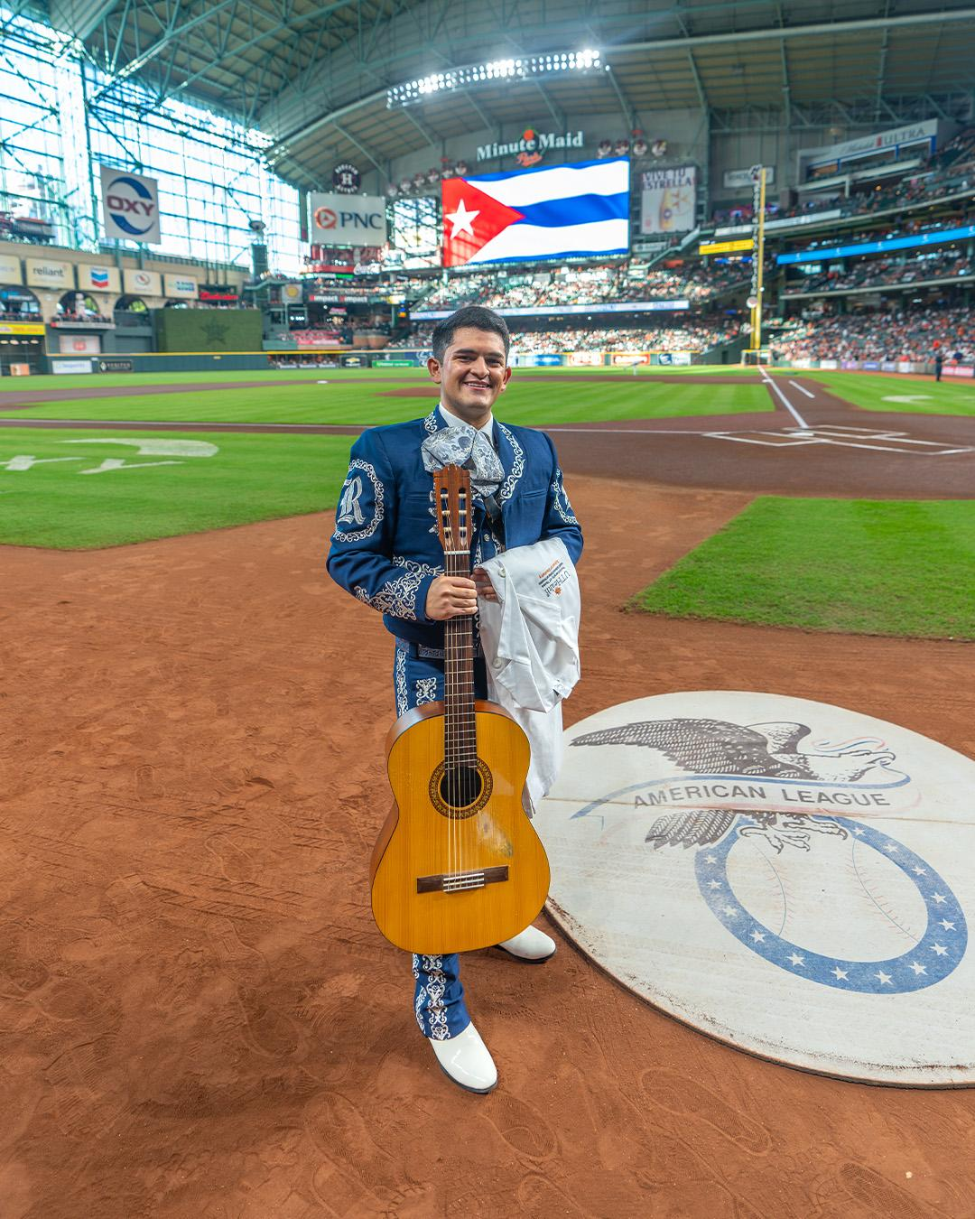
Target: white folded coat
530	638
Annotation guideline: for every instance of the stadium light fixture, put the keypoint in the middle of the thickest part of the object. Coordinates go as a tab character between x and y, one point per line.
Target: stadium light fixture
526	68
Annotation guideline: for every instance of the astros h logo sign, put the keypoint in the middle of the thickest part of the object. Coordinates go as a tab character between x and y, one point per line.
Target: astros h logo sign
131	205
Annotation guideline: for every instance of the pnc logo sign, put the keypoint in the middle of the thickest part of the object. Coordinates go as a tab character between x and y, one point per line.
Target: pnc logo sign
326	218
345	220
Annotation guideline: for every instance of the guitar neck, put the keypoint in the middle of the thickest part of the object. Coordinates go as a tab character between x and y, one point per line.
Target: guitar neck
460	725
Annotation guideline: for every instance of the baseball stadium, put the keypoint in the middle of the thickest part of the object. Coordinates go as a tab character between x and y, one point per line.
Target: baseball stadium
709	269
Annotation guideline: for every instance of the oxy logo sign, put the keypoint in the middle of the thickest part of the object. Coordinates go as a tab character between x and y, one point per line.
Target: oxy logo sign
348	220
130	206
788	876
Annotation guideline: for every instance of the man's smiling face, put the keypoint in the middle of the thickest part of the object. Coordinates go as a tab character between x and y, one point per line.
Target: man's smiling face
474	372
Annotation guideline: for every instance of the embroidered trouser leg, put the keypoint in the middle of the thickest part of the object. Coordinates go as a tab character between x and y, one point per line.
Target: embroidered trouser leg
438	996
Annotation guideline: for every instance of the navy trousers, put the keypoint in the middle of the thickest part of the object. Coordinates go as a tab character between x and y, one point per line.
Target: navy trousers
438	996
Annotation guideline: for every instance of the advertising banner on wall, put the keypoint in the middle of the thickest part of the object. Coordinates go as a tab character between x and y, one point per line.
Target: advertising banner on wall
668	198
741	179
347	219
142	283
92	278
130	206
181	287
45	273
21	328
79	344
10	272
70	368
584	359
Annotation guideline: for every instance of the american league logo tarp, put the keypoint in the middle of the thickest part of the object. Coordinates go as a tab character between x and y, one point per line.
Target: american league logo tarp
790	877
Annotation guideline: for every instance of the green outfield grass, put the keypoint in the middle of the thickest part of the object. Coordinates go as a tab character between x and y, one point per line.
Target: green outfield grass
879	392
273	376
853	566
250	478
362	401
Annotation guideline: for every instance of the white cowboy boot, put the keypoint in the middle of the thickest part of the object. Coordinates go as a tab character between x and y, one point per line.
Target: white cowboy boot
465	1058
531	946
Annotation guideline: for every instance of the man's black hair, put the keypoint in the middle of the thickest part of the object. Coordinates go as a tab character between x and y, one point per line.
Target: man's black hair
474	316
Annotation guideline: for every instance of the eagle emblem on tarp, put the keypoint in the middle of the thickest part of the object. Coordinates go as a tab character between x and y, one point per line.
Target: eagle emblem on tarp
722	749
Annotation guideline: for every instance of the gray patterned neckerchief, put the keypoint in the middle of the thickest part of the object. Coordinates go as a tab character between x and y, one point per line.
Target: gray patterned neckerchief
459	444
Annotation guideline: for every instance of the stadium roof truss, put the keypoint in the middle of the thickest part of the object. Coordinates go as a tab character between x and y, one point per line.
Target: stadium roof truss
314	76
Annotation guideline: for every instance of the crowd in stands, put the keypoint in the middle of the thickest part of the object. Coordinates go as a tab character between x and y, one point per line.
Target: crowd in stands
915	334
697	334
950	171
592	285
950	263
20	315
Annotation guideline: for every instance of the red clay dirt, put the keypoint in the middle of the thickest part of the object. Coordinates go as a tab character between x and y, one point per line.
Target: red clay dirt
199	1018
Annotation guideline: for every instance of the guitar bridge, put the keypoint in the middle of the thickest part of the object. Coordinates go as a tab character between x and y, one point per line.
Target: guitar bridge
461	882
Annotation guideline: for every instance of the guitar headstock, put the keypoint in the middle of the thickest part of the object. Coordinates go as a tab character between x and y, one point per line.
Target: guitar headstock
452	494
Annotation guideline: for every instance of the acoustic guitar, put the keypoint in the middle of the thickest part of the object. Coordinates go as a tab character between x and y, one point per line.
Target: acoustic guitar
458	865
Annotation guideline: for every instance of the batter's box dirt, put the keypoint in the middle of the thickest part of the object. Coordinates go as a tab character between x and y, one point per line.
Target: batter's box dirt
845	437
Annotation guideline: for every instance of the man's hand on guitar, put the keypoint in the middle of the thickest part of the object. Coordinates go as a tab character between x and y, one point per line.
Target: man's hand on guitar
451	597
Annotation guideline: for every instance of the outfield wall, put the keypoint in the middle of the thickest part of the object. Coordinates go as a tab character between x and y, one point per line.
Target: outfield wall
247	361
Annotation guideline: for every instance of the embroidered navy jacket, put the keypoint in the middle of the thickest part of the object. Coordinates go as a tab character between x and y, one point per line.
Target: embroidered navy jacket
385	549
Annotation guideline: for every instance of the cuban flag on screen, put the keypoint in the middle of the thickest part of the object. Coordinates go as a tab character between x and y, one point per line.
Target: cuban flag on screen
538	213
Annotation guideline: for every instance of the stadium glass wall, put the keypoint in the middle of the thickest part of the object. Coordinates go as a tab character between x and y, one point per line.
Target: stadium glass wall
60	118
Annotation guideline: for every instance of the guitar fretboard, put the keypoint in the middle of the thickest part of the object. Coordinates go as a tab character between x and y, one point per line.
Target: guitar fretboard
460	726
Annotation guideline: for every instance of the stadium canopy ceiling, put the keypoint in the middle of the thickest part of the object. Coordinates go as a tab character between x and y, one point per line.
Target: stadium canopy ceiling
314	76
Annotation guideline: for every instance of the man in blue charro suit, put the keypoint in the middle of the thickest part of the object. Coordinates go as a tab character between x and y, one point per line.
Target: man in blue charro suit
386	552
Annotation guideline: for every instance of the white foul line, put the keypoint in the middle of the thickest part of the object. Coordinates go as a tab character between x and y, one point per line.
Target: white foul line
802	389
785	401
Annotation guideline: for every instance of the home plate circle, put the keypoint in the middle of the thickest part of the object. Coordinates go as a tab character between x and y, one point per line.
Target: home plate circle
789	877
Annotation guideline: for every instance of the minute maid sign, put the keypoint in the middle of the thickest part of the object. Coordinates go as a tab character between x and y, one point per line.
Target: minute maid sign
790	877
532	144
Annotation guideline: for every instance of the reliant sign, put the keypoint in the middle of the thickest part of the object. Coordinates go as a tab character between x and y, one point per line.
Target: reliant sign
44	273
531	146
130	206
347	219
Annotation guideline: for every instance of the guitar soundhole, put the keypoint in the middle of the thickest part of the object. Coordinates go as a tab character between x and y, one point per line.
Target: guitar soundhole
460	786
460	791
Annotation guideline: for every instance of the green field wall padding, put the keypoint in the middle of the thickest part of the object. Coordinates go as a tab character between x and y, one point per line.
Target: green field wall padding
214	330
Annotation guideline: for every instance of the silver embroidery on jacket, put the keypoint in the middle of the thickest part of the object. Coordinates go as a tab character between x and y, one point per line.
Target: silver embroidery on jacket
349	510
398	596
517	469
399	681
559	494
426	690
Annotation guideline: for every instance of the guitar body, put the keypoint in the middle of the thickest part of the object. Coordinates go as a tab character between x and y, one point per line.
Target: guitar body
457	866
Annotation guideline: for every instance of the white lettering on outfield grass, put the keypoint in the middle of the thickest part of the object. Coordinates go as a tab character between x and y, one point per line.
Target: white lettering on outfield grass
148	448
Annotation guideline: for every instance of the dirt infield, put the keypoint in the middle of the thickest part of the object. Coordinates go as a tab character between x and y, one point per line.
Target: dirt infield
200	1020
